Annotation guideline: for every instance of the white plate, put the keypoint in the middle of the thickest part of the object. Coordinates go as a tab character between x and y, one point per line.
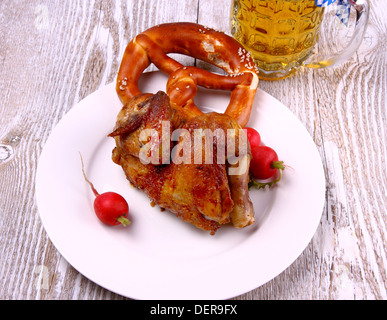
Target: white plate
159	256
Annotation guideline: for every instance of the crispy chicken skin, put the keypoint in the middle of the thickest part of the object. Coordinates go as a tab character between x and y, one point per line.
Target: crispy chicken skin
202	192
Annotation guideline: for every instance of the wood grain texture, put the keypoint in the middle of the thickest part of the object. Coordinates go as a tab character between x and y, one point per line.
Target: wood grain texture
55	53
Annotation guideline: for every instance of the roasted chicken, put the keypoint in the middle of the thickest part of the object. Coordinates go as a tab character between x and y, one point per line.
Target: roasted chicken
165	151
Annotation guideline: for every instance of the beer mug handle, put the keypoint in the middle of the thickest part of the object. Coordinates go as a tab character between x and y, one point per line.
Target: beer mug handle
317	61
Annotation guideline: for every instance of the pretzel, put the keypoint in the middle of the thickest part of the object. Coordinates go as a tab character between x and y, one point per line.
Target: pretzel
200	42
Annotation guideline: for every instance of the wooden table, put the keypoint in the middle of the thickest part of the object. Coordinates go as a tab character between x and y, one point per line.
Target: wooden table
55	53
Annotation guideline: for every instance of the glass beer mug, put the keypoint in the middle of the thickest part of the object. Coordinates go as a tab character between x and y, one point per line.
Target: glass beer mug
281	35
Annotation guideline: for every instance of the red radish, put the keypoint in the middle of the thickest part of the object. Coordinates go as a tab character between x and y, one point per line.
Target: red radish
253	136
264	163
110	207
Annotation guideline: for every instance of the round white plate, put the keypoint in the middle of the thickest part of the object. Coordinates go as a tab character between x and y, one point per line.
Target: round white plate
159	256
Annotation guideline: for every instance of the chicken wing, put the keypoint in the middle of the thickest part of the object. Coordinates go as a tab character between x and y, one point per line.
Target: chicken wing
188	173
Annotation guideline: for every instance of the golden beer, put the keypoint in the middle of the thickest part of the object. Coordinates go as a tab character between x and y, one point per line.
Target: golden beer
280	34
